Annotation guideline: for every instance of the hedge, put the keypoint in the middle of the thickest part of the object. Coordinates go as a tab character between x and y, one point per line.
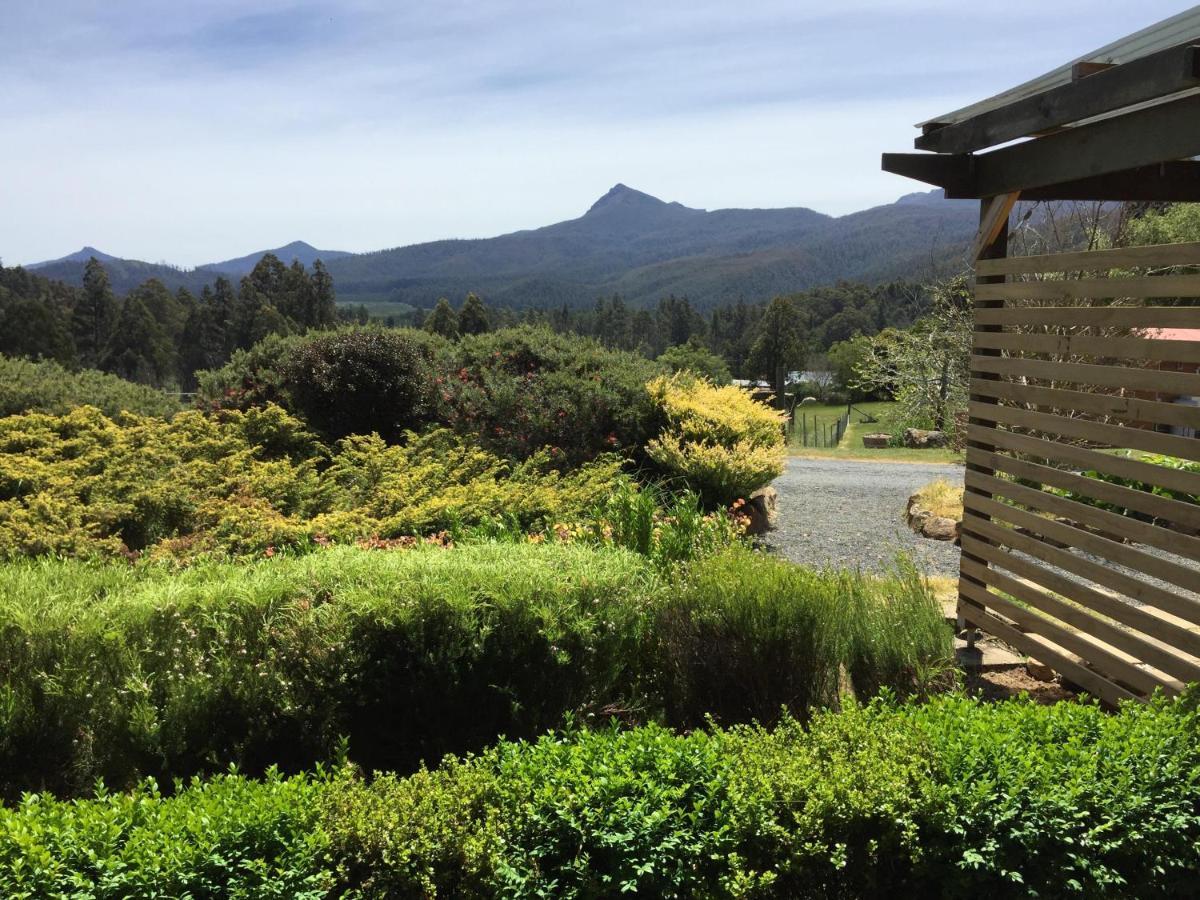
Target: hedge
48	387
943	799
120	672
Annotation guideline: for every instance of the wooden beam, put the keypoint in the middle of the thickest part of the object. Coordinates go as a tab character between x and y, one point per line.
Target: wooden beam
1082	70
1145	137
995	216
1177	181
944	171
1137	81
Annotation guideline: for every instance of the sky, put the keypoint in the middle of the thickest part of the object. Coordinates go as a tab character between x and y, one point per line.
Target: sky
190	132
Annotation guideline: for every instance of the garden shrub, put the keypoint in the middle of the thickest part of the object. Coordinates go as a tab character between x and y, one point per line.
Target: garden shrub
120	671
717	439
47	387
229	837
517	390
365	380
252	377
745	637
242	482
521	389
948	798
117	672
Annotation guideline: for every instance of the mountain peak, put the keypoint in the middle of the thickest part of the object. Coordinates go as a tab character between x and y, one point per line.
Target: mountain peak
623	197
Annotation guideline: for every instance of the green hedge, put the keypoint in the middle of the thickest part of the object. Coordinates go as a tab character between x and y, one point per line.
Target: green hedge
47	387
120	672
949	798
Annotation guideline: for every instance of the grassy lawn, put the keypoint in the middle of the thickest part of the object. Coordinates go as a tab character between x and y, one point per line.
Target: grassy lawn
851	446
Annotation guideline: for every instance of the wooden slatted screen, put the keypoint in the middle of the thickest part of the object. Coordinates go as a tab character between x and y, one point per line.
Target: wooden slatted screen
1074	550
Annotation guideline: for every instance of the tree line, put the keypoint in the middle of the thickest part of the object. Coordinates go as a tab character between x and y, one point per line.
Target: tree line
158	337
153	335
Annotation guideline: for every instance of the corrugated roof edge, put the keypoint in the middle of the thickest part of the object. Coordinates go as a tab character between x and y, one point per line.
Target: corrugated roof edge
1178	29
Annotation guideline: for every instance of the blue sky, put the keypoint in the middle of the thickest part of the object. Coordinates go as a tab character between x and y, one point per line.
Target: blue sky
196	131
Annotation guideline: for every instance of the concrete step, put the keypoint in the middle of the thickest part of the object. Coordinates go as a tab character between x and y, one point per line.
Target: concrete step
985	655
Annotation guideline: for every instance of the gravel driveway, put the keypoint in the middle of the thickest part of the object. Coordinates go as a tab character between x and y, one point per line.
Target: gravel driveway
851	514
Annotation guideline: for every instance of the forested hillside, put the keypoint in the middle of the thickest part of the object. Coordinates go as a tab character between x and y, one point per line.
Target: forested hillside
627	243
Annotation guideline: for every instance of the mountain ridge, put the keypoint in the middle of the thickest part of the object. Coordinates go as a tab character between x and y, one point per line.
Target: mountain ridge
627	242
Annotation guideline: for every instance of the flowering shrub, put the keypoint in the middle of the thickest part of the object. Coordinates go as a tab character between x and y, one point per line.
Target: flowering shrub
516	391
525	388
717	439
242	482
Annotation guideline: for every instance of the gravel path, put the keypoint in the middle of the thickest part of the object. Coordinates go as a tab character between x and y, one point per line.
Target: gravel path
851	514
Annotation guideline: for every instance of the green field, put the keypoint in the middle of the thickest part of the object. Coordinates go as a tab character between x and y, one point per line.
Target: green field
378	310
851	446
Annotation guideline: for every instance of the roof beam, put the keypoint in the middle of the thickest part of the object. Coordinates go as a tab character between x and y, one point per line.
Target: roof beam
1177	181
1137	81
1168	131
954	172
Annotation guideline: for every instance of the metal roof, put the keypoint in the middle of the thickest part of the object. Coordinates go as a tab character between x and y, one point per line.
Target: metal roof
1179	29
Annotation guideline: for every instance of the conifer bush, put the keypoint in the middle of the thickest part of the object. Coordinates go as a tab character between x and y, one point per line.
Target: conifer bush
718	440
245	482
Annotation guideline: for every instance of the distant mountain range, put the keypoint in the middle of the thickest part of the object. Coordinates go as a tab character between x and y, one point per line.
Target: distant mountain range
627	243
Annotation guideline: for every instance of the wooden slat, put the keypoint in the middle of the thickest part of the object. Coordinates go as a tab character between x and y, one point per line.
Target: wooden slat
1093	316
1090	681
1136	81
1127	409
1150	255
1153	596
1175	511
1187	577
1128	377
1131	348
1120	466
1167	636
1087	430
1088	626
1093	288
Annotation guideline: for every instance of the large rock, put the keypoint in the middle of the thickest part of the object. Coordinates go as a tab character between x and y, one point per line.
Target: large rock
920	439
761	508
876	441
925	523
941	528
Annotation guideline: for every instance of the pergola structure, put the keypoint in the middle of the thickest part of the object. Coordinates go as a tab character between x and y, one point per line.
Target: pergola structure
1087	559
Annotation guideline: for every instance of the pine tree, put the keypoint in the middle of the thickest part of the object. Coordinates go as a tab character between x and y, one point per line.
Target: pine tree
139	349
473	317
324	300
443	320
780	341
94	315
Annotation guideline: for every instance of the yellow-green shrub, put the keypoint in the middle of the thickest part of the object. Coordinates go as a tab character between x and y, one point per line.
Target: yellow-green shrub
719	440
239	482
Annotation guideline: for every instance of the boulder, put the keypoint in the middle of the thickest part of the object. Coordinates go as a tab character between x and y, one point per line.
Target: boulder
920	439
876	441
941	528
762	510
